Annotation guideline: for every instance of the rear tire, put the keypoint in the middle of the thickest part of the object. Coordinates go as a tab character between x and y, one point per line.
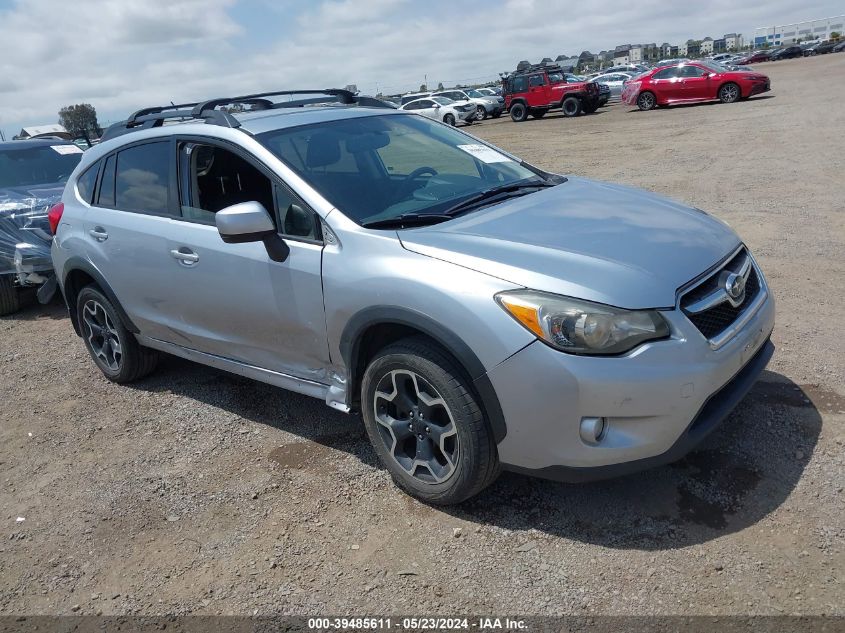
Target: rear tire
425	423
519	112
113	348
10	301
646	101
449	119
571	106
730	93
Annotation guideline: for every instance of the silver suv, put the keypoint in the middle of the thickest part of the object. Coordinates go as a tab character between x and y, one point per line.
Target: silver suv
478	312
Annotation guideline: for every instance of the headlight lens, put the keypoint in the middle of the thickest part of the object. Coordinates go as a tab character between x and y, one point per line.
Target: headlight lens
582	327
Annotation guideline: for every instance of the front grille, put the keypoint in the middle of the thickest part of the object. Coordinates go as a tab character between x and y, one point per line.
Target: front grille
715	320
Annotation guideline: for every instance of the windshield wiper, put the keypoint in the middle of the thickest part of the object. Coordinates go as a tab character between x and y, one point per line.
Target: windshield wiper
496	192
407	219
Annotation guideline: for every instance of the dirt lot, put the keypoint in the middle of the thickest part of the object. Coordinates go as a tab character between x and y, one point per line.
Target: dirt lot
194	491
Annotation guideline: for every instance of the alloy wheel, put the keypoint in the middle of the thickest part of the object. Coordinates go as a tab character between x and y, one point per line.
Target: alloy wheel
416	426
102	335
646	101
730	92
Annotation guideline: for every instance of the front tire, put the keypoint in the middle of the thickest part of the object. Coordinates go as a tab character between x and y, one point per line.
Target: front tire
426	425
519	112
571	106
10	301
449	119
646	101
480	113
729	93
112	347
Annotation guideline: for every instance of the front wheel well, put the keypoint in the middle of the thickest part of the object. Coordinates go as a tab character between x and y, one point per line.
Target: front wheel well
359	351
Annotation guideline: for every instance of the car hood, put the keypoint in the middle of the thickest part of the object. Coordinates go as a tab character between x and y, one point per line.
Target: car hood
586	239
30	197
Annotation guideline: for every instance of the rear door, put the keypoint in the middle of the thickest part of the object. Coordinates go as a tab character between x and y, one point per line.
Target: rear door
130	228
666	84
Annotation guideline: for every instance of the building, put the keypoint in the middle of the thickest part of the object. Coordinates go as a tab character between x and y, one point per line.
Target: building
37	131
785	34
733	41
706	47
622	54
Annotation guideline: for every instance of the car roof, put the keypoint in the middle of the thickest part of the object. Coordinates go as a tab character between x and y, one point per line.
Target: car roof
266	120
34	142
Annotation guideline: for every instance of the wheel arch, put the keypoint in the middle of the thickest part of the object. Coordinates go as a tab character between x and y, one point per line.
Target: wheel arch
80	273
729	81
520	100
374	328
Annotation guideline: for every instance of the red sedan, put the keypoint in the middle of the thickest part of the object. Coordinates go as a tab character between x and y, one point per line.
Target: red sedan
690	82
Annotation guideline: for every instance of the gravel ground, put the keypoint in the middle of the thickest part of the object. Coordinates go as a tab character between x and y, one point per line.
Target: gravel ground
198	492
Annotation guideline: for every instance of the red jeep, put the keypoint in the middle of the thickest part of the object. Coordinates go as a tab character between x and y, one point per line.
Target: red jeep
537	89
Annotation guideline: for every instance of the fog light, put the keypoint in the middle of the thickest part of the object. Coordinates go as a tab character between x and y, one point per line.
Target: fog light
593	429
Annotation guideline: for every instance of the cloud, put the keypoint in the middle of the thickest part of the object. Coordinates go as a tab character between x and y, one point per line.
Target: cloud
121	56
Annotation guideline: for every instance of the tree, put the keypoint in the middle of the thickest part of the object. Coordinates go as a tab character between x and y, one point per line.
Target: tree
80	120
835	35
423	88
440	85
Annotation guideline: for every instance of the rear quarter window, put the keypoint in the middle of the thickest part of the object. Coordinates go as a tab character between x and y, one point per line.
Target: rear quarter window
86	182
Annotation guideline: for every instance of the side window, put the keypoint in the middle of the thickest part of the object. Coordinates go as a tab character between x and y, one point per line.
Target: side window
535	80
520	84
296	220
106	196
142	181
212	178
426	104
86	182
666	73
691	71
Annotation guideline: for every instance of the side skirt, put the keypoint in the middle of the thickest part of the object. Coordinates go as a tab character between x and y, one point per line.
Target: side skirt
275	378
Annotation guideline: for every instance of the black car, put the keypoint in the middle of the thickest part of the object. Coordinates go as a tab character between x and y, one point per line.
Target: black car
32	178
820	49
839	46
787	53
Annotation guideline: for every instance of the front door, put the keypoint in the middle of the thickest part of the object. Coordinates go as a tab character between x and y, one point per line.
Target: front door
538	91
695	83
236	302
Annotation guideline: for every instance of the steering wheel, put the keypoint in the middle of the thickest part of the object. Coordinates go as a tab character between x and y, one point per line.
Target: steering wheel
406	185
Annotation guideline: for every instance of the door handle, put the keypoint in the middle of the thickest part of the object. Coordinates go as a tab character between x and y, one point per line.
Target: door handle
99	234
185	256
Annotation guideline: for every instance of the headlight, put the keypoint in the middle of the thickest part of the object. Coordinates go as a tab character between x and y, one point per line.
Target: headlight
582	327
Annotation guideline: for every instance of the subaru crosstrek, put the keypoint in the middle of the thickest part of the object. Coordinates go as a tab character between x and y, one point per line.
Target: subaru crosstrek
479	312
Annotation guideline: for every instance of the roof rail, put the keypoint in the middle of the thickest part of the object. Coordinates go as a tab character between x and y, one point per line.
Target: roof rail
207	110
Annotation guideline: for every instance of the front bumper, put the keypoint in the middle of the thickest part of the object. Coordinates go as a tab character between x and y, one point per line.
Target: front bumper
659	400
759	87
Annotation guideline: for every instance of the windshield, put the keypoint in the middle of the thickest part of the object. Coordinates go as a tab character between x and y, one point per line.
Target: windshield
40	165
442	100
714	66
380	167
474	94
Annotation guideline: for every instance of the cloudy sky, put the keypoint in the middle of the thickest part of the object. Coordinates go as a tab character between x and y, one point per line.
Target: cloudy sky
121	55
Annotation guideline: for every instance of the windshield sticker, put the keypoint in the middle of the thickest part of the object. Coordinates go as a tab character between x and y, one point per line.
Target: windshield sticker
485	154
66	149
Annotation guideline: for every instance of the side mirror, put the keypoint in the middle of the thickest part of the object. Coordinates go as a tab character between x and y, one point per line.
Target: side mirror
250	222
244	222
436	106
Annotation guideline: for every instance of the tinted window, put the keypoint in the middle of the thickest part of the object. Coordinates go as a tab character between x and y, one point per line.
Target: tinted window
106	197
214	178
38	165
297	220
691	71
666	73
86	182
535	80
520	84
143	178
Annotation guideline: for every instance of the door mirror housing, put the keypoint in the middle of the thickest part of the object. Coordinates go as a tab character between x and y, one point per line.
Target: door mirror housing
244	222
250	222
436	106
